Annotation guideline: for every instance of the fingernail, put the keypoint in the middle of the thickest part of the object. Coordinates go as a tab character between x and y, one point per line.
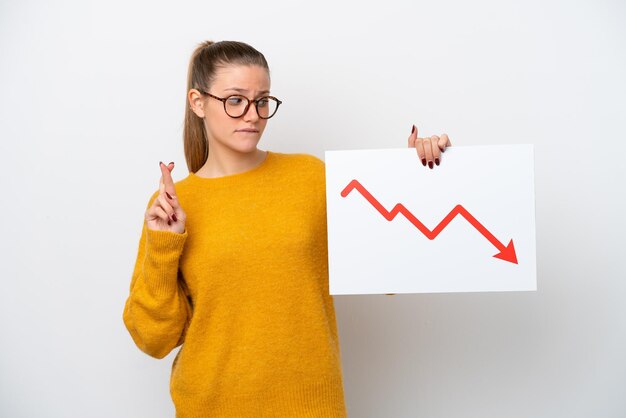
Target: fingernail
168	195
160	162
174	217
424	162
413	129
437	161
169	222
430	164
171	162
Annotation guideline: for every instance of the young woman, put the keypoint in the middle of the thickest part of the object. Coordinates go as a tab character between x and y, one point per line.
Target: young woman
239	277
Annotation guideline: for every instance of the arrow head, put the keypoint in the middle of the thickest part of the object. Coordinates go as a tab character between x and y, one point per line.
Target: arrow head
508	253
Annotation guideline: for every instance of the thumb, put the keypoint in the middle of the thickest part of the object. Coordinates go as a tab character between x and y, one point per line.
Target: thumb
413	137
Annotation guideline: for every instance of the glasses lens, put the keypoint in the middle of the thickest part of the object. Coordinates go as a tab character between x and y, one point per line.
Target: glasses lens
236	105
267	107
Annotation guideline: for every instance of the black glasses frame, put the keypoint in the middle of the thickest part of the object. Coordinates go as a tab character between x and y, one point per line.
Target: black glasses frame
256	103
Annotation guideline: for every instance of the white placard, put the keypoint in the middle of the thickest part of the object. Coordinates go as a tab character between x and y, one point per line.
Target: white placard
395	226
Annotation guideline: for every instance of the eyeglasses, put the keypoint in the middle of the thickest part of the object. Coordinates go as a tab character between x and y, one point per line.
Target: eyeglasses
236	105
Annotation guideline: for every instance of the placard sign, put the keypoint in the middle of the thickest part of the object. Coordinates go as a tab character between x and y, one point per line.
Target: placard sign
395	226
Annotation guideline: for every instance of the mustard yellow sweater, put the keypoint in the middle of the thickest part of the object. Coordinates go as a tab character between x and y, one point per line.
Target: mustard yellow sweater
244	292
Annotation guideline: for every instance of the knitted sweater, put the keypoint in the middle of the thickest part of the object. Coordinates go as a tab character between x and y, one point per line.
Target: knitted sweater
244	292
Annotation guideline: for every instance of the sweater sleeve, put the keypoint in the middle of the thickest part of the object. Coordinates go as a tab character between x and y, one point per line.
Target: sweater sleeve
158	309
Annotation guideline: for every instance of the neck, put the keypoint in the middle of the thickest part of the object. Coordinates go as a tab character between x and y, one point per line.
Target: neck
225	162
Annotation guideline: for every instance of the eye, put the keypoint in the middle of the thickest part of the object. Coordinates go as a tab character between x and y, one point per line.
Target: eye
263	102
235	100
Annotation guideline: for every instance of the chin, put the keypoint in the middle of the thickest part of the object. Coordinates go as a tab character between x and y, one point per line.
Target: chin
246	148
238	144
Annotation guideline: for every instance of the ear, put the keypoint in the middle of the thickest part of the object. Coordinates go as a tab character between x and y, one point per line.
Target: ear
196	102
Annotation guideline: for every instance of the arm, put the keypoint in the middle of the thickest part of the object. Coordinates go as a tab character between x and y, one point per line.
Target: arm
158	308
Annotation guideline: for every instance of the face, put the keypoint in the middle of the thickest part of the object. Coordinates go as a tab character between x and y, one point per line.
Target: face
236	134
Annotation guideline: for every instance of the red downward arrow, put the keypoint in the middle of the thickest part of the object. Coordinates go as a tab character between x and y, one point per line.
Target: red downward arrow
507	253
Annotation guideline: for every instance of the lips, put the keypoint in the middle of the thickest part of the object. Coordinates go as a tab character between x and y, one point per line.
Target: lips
247	130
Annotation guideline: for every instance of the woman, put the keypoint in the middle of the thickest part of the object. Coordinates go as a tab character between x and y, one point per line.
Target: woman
239	278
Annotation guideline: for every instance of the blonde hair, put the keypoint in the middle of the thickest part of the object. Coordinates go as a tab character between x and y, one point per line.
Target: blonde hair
206	59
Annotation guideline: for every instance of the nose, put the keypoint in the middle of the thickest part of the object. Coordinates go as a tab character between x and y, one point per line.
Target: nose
251	115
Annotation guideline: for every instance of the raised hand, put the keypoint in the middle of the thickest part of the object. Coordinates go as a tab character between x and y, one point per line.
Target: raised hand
429	149
166	214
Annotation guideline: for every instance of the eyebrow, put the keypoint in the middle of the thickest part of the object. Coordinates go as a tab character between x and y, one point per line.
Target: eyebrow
245	91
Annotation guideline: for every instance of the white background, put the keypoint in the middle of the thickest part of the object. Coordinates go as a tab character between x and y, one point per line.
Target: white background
92	96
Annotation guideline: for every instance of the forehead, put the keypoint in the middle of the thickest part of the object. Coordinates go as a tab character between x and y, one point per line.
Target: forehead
245	77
